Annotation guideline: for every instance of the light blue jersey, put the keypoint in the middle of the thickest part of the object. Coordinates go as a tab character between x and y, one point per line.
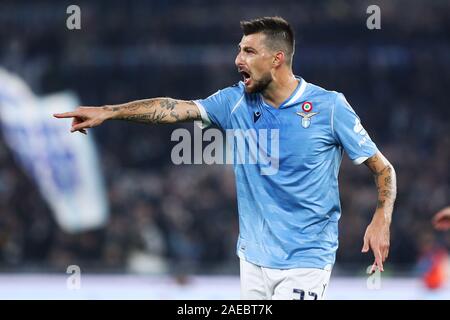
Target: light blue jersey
290	219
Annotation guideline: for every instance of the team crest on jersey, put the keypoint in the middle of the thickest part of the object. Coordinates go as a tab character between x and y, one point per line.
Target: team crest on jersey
307	114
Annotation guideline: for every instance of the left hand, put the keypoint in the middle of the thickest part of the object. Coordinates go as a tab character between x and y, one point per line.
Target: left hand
377	238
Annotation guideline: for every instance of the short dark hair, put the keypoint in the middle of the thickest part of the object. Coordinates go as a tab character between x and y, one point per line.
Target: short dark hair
279	33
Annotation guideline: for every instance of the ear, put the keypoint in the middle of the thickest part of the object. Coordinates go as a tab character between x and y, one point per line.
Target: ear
278	59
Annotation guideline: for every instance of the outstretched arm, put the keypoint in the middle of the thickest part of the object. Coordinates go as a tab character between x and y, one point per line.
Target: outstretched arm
156	110
377	236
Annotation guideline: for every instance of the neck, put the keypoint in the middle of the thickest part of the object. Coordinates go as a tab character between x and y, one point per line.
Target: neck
281	88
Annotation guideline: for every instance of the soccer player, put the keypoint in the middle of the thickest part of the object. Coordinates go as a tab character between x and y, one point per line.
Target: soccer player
441	219
288	220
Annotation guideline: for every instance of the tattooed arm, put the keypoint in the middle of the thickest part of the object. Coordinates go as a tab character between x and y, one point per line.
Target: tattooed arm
157	110
377	233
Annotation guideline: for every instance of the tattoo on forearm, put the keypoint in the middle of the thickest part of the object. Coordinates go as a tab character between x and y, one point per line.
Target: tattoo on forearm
380	203
168	104
385	182
159	110
385	187
175	115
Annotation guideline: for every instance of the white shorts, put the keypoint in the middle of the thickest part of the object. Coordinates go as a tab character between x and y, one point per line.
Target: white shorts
259	283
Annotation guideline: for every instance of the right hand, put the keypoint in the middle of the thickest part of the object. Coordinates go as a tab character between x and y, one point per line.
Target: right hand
85	117
441	220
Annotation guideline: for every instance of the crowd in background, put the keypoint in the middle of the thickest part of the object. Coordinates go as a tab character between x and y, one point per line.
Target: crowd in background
168	218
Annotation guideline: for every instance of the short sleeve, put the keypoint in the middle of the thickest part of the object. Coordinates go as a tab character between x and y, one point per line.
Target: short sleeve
350	133
217	108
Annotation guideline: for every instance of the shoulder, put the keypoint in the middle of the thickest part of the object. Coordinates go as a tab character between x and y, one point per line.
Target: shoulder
235	90
326	99
236	94
316	92
223	101
333	99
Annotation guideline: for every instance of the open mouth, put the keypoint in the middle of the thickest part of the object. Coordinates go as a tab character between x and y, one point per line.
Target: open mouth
246	77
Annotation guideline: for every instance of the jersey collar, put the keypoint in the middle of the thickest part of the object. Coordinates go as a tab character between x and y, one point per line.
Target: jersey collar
296	95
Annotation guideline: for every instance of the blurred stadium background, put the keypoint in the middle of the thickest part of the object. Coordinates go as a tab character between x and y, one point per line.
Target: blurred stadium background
170	231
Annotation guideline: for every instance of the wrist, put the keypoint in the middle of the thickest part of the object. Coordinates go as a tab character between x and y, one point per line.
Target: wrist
111	112
382	216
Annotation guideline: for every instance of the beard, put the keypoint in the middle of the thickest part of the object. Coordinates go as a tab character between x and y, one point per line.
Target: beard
260	85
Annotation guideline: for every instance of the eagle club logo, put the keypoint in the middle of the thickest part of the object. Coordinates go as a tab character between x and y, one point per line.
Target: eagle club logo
306	115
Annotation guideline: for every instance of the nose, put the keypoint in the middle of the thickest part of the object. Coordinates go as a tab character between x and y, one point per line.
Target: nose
238	61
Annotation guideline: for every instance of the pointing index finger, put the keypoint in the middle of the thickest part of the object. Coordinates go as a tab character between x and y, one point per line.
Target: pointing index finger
378	259
65	115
